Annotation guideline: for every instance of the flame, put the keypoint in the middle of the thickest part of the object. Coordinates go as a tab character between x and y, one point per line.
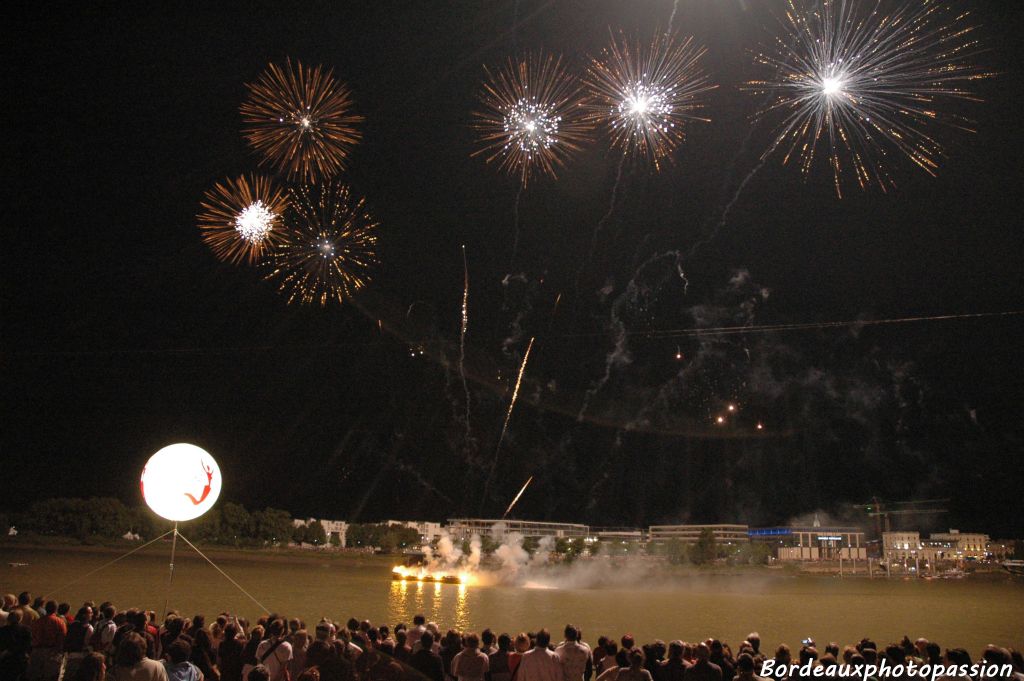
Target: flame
423	574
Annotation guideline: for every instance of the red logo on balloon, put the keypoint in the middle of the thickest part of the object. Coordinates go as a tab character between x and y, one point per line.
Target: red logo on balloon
206	490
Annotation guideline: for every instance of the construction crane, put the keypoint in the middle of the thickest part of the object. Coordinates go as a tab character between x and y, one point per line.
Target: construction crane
882	511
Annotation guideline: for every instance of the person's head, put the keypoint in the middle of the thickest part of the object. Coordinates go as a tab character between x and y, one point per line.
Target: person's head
611	647
84	614
932	653
385	632
997	656
203	640
808	654
849	652
401	637
543	638
958	656
24	598
300	639
828	660
675	650
318	653
365	626
782	654
198	621
1018	661
487	638
427	640
570	632
870	655
10	600
504	642
324	630
92	667
745	663
627	642
50	607
179	651
231	632
259	673
636	658
703	652
832	649
108	610
522	642
471	641
275	628
755	641
63	609
387	647
418	620
352	624
131	651
857	660
256	634
895	654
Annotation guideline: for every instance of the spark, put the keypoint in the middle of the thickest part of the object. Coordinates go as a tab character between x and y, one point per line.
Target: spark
515	392
300	120
645	97
731	407
241	218
720	420
860	87
516	499
530	119
462	335
329	248
760	426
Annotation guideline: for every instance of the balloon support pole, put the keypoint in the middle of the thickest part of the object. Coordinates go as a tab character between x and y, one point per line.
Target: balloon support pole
170	575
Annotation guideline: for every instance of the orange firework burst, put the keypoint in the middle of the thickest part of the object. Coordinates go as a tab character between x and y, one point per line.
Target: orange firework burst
530	120
329	248
300	119
241	219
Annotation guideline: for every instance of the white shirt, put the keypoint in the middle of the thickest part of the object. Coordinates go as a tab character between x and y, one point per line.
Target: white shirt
574	656
539	664
277	662
469	665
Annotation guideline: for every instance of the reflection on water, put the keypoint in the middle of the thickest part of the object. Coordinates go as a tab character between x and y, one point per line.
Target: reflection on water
781	608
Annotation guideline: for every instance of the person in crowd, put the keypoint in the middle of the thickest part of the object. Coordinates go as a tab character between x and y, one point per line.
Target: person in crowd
498	668
177	663
450	647
425	661
540	663
258	673
721	656
610	659
300	645
15	646
403	652
626	644
92	667
636	670
745	670
30	614
203	655
48	634
229	653
575	656
674	667
131	663
79	631
521	646
275	652
703	669
471	663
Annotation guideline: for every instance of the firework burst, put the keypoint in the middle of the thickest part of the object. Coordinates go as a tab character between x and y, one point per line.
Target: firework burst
859	84
241	218
329	247
644	96
530	119
300	120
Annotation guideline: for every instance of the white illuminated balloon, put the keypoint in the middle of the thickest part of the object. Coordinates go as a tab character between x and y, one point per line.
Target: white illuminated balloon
181	482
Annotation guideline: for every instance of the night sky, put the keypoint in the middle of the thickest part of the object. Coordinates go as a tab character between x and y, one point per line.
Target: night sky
122	332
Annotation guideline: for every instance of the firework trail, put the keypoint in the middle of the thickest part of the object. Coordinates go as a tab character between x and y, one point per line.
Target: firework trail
462	336
671	17
861	87
620	355
515	226
516	499
508	417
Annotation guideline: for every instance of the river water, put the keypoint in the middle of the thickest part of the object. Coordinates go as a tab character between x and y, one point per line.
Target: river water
601	599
